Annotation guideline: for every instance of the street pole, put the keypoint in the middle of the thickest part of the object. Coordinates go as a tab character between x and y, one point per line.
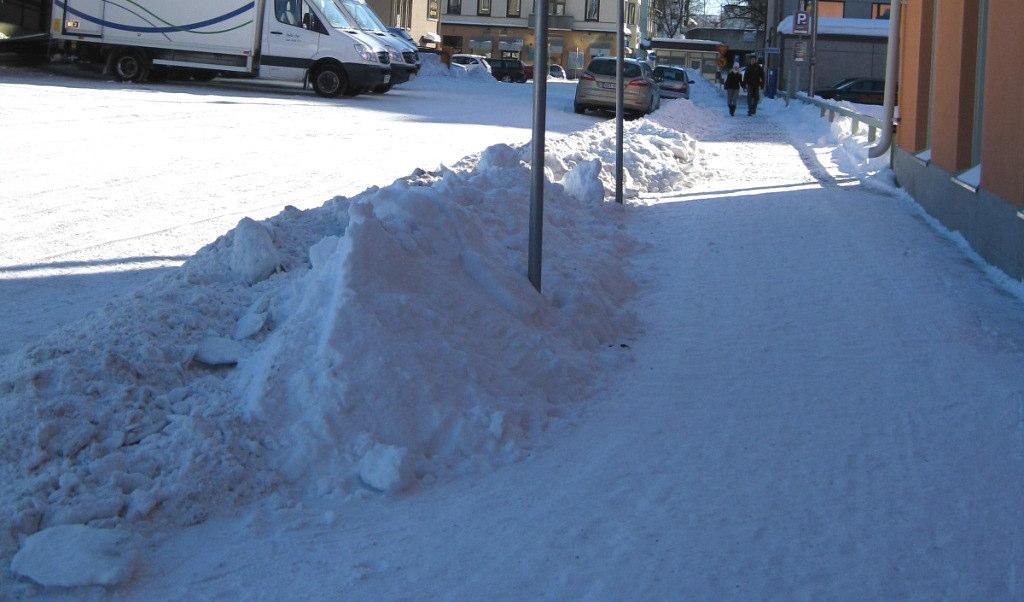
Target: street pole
620	43
540	101
814	50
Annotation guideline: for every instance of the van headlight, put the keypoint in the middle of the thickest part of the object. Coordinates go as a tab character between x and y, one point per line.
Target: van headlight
396	57
365	53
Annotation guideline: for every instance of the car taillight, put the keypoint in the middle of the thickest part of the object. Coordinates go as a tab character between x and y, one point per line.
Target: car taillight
587	76
637	83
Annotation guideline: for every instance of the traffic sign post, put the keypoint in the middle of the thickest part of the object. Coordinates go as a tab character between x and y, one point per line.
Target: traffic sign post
802	23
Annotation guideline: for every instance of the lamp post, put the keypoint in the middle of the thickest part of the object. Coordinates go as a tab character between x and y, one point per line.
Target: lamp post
620	43
540	101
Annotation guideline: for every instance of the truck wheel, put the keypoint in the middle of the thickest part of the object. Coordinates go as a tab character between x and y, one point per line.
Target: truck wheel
329	81
382	89
203	75
129	65
580	109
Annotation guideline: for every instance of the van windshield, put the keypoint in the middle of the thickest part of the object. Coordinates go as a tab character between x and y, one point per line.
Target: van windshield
335	18
363	15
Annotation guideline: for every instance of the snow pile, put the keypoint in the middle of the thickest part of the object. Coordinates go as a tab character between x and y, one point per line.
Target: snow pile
851	149
76	555
657	156
431	65
373	343
693	116
477	73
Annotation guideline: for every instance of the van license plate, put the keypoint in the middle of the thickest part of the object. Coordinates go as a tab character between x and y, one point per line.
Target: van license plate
387	78
607	86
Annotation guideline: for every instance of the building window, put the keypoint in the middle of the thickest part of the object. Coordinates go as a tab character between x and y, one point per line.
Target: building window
631	14
453	42
831	9
514	8
454	7
880	10
483	7
432	10
593	10
555	7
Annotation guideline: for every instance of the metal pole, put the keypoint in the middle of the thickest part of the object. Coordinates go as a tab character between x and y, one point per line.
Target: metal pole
620	86
540	101
811	83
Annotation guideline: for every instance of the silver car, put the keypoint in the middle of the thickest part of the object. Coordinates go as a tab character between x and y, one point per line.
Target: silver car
596	87
674	82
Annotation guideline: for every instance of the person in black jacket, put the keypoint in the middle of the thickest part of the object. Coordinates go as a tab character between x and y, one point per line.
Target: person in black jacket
733	81
753	81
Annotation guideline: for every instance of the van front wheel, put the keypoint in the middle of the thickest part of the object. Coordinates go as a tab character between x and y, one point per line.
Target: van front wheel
382	89
329	81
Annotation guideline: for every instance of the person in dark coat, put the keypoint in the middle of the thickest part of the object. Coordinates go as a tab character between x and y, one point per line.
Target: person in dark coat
753	81
733	81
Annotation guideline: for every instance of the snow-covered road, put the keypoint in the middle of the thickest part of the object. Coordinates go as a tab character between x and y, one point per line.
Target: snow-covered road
826	404
105	185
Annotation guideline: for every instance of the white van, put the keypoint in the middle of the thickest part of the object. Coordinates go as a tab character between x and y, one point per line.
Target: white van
292	40
405	59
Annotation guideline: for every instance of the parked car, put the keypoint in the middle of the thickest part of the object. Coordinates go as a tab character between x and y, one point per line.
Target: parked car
596	87
405	61
471	61
553	71
673	82
508	70
859	90
557	71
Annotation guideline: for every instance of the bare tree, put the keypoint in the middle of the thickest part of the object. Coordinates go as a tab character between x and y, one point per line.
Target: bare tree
754	12
672	17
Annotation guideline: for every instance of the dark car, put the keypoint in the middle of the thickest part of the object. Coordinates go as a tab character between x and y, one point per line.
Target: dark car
508	70
856	89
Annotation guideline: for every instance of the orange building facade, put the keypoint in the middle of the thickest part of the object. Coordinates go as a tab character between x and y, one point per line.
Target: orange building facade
960	140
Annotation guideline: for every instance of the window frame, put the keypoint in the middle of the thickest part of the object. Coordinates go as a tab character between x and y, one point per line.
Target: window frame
519	8
876	10
480	8
586	10
437	9
457	4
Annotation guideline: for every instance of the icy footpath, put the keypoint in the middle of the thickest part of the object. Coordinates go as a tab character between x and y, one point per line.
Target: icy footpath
372	344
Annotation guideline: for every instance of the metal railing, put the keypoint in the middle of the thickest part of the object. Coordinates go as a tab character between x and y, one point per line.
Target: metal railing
832	109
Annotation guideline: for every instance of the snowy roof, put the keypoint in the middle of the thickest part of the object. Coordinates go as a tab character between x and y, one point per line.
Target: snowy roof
687	41
869	28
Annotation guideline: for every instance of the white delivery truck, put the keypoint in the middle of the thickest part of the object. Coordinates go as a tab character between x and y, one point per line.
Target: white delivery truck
293	40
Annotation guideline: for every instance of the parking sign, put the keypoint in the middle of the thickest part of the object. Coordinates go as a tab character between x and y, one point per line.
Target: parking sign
802	22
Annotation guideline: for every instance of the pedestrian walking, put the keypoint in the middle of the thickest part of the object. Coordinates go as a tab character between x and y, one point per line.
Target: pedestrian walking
753	81
733	81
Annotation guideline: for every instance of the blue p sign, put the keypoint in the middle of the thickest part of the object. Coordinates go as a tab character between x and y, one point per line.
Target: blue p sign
802	22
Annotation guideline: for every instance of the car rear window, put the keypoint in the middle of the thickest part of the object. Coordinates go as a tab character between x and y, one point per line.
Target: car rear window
607	67
673	75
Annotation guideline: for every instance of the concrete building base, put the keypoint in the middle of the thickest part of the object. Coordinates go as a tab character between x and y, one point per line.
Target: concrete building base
993	227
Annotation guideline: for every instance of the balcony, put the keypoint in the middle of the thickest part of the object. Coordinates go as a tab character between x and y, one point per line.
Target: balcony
554	21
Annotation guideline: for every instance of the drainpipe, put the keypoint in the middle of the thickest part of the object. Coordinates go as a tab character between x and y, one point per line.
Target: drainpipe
891	76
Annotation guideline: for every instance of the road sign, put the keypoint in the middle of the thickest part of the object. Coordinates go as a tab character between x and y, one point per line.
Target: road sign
802	22
800	51
770	50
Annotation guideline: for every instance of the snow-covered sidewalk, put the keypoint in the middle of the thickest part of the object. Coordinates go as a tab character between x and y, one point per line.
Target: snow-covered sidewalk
825	403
